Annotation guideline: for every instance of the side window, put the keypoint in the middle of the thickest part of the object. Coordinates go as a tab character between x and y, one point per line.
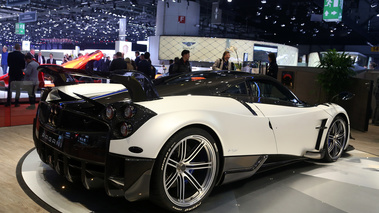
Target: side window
266	91
236	89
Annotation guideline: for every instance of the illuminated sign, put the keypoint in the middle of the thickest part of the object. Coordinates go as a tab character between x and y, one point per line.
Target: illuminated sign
332	10
20	28
182	19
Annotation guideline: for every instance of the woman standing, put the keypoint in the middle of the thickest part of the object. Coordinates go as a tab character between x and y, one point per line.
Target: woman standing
273	66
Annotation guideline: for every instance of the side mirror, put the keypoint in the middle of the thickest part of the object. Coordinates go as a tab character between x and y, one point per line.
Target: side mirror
345	96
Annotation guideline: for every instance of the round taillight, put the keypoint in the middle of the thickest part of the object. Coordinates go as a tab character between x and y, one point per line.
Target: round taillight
52	108
51	117
125	129
109	112
129	112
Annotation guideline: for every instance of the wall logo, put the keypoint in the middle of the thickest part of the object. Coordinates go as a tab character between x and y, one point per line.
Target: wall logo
188	45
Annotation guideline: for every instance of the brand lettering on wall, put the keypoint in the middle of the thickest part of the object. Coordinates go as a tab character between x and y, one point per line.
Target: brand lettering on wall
182	19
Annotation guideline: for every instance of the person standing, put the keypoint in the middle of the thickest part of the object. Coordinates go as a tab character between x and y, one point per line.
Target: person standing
40	58
4	60
51	60
16	65
137	60
273	66
183	65
119	63
129	64
106	64
33	53
102	65
145	66
172	64
223	63
31	80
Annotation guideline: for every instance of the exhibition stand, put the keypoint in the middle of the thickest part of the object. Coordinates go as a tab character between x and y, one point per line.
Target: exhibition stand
348	185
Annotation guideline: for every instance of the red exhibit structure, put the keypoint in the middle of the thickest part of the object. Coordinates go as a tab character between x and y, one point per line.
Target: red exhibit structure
13	116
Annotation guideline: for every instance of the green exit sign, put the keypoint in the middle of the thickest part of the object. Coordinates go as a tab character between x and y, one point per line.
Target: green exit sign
20	28
333	10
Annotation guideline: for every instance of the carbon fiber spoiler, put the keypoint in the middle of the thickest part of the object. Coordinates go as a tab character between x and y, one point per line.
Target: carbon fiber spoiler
140	87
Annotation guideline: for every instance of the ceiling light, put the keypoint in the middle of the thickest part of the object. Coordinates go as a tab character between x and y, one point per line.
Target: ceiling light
263	1
229	0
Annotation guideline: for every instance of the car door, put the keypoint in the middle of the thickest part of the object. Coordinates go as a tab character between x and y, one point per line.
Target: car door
255	135
295	125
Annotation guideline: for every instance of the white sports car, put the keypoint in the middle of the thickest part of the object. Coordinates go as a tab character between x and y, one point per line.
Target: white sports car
172	142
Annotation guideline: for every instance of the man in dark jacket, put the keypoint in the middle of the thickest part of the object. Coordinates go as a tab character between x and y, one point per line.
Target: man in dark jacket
119	63
16	65
51	59
183	66
145	66
137	58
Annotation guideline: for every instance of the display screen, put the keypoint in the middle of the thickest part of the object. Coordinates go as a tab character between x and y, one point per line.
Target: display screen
261	52
139	47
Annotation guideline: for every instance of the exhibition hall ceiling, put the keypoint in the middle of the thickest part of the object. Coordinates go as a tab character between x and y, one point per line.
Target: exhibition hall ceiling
283	21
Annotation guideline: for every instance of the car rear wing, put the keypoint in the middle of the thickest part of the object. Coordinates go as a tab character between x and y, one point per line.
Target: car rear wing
139	86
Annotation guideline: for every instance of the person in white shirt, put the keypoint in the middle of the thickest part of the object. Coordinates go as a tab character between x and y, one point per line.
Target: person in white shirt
40	58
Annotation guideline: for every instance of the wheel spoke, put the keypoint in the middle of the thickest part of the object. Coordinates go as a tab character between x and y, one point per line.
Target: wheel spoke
195	152
331	146
197	166
331	137
335	150
335	129
181	187
172	163
182	150
194	182
171	180
338	144
340	137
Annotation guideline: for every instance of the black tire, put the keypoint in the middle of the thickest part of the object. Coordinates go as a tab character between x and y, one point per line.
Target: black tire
177	183
335	140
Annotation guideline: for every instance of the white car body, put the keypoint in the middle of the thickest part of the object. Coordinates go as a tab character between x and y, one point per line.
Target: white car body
206	129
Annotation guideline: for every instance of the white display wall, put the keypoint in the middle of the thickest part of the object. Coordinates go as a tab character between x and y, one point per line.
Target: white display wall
177	18
210	49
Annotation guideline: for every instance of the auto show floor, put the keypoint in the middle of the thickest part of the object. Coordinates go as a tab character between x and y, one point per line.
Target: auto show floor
348	185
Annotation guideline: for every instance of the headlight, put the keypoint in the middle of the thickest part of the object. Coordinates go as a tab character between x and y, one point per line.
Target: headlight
109	112
129	111
125	129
